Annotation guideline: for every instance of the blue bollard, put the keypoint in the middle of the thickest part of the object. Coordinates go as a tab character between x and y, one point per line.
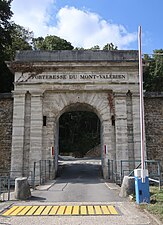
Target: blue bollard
141	188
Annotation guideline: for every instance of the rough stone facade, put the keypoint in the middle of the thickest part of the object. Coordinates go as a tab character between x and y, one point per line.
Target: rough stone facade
6	113
47	84
153	105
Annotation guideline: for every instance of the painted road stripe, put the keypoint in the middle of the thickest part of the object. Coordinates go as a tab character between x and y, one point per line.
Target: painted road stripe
18	210
105	210
53	210
68	210
83	210
39	210
32	210
98	210
10	211
46	210
75	210
59	210
24	211
112	210
90	210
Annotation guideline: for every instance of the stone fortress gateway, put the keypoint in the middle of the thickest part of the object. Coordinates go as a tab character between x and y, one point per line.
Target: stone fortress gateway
50	83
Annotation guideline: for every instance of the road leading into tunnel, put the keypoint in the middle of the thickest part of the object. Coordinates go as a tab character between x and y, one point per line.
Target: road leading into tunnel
78	181
79	184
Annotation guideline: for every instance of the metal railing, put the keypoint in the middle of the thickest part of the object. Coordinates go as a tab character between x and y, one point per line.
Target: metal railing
43	170
127	168
7	181
5	187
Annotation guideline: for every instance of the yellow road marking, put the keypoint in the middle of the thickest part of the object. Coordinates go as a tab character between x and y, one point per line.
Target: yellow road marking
75	210
105	210
112	210
68	210
46	210
83	210
61	210
90	210
53	210
10	211
15	212
98	210
24	211
32	210
39	210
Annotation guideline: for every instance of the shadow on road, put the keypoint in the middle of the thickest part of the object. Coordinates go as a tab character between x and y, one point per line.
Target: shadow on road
79	172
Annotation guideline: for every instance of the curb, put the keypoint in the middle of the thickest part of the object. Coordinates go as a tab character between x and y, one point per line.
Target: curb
44	187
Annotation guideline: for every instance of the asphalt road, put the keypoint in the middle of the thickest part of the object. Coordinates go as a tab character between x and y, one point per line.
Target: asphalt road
78	181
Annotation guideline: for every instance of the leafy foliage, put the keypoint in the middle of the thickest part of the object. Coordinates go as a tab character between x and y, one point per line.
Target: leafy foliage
5	15
110	47
51	42
96	47
6	77
153	72
79	131
21	39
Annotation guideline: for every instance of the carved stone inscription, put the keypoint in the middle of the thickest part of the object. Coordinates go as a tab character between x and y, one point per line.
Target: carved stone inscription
71	77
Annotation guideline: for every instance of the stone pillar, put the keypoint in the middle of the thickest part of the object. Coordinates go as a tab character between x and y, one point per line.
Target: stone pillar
18	134
106	141
36	129
136	126
56	145
121	131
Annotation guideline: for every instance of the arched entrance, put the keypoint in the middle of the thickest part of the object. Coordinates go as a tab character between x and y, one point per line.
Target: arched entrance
78	133
49	84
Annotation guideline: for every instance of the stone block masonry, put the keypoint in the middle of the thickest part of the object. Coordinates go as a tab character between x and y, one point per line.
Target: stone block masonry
153	107
153	123
6	115
50	83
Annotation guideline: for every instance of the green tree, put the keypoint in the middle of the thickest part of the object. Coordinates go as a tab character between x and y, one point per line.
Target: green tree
96	47
153	71
158	72
21	39
79	131
6	77
79	48
110	47
51	42
5	15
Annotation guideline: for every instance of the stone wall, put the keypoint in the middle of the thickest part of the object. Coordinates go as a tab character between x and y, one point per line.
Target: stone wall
154	125
153	122
6	112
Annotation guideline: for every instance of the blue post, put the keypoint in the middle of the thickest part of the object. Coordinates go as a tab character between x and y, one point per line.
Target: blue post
141	188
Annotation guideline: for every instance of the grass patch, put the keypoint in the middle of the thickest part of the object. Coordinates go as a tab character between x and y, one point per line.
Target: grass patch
156	202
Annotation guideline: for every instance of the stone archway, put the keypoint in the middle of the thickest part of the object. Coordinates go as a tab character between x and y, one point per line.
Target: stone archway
95	102
48	83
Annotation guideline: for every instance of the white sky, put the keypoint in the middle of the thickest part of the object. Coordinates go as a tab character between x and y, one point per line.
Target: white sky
79	26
